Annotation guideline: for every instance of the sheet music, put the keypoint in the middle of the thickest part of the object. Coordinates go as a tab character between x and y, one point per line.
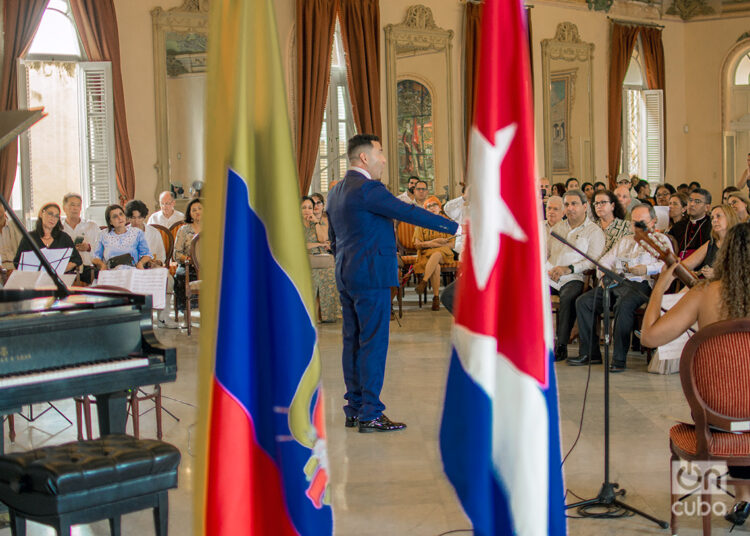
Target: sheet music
19	279
58	258
152	282
662	218
673	350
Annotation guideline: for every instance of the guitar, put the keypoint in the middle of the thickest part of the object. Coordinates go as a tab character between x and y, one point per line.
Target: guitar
648	241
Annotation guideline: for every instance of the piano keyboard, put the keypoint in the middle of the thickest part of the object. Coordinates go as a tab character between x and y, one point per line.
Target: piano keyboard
73	372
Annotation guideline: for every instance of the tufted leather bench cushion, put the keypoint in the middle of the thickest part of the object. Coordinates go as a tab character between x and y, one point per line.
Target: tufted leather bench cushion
84	474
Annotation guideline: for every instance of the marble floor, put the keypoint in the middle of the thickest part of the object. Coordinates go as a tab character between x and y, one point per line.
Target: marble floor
392	484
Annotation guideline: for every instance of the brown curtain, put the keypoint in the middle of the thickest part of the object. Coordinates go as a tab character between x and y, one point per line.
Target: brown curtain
472	27
315	23
360	32
653	56
623	41
97	25
20	21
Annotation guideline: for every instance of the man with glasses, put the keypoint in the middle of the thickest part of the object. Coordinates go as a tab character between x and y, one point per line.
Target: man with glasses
695	230
420	193
407	196
83	232
636	264
167	216
565	267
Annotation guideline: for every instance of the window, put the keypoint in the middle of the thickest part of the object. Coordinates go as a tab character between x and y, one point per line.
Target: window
642	124
72	148
338	123
742	73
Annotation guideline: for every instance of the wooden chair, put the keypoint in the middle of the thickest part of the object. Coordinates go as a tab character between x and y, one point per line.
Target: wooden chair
192	288
589	282
715	373
174	228
407	255
168	238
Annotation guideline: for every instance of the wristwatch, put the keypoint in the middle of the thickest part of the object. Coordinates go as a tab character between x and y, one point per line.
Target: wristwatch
572	270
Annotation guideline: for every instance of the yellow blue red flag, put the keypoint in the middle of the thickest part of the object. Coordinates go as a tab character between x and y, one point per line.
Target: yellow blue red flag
263	467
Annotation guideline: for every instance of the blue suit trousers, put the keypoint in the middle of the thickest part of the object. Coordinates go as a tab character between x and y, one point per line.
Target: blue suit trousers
367	315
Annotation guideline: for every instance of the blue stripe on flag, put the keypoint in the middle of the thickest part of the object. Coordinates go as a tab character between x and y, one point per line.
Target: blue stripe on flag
265	341
556	501
466	449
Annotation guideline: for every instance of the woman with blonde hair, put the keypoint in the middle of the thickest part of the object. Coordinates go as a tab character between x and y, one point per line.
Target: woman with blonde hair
723	218
724	297
741	205
433	248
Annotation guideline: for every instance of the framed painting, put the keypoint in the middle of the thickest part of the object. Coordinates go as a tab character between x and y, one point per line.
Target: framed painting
560	102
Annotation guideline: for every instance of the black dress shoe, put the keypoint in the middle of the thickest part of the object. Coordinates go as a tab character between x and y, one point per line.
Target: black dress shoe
561	353
616	367
381	424
351	422
738	514
583	360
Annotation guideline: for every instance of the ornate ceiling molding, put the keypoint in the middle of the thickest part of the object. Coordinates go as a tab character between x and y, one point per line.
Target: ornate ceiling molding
567	44
418	32
687	9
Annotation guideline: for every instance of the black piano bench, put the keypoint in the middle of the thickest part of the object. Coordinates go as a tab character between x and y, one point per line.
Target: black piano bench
87	481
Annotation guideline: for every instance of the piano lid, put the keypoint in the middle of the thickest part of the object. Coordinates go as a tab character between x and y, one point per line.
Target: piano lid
14	122
20	302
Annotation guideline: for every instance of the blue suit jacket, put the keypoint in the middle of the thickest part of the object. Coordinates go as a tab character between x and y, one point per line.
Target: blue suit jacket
360	213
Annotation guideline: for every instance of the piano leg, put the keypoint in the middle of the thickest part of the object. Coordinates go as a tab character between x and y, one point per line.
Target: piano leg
112	412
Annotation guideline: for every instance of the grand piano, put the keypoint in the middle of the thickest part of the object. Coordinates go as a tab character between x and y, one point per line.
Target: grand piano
62	343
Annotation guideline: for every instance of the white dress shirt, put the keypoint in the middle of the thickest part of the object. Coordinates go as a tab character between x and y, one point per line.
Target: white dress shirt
456	209
588	237
89	230
627	251
404	196
158	218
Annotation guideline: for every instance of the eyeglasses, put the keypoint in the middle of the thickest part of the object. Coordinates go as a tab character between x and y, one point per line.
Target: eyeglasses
696	201
601	203
421	189
318	203
432	205
53	215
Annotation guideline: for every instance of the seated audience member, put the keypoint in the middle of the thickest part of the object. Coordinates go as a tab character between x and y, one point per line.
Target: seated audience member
83	232
643	192
167	216
741	205
636	264
571	184
661	196
136	212
420	193
456	210
677	208
48	233
726	297
610	217
726	191
588	189
622	192
692	232
599	185
694	185
433	249
723	217
407	196
558	189
10	238
565	267
121	244
546	188
321	262
185	235
319	213
554	216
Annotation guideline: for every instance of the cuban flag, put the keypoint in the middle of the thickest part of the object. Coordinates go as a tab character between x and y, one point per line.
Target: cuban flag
499	437
263	468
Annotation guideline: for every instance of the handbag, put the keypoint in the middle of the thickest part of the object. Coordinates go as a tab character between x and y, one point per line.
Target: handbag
324	260
124	259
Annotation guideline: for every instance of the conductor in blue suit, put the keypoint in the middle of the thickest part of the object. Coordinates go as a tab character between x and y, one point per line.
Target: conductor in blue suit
360	213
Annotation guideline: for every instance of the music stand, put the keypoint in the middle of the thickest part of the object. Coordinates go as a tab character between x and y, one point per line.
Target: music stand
607	497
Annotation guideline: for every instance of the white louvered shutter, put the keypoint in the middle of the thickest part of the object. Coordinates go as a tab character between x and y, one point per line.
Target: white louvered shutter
653	130
97	137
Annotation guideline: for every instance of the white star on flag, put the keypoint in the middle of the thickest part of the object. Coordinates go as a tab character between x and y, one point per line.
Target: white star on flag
488	212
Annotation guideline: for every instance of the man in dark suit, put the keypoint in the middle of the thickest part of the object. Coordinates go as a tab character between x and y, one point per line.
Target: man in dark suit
360	212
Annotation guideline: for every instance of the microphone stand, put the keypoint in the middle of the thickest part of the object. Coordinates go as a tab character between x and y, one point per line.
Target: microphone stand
608	497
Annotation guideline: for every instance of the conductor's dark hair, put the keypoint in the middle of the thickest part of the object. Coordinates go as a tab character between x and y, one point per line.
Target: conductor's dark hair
357	143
